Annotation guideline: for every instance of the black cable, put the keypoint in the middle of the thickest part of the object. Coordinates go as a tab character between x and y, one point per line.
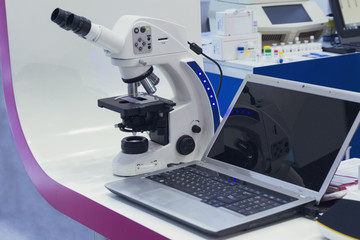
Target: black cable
252	99
198	50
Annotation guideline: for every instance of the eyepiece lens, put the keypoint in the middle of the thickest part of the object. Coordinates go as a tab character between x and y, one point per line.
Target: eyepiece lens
69	21
79	25
55	14
60	17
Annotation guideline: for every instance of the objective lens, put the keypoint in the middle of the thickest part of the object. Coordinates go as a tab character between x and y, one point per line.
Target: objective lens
153	78
148	85
59	17
79	25
133	89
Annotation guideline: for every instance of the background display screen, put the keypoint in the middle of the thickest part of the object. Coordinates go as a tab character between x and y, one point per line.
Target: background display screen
286	134
351	13
287	14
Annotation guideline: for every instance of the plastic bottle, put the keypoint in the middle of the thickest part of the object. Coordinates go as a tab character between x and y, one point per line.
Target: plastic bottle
302	47
252	53
286	49
306	45
291	47
247	55
312	39
240	53
276	55
274	47
318	47
267	54
311	44
281	57
297	44
282	45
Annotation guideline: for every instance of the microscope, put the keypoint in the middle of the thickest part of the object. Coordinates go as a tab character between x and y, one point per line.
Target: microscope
180	128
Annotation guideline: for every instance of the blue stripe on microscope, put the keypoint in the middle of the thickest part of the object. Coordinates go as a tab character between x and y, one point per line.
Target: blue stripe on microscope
209	90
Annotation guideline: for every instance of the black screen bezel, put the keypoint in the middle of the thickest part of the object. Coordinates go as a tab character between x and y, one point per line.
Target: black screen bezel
340	23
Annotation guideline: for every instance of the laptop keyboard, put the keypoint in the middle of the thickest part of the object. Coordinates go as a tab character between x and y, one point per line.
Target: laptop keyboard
352	45
220	190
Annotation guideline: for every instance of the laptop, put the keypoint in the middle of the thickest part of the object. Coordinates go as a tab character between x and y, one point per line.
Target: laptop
347	22
276	149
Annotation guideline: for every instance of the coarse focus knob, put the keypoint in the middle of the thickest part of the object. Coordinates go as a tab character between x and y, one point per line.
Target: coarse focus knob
185	145
196	129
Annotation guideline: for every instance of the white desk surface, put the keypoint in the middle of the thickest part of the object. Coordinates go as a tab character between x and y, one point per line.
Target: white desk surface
92	176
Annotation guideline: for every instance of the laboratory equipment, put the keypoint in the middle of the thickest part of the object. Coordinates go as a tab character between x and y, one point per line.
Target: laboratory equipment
234	22
224	48
278	20
179	128
347	22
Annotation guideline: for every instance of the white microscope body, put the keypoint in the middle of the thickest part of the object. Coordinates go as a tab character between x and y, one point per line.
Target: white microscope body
135	45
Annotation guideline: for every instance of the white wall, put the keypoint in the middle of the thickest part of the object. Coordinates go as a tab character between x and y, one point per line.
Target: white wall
324	5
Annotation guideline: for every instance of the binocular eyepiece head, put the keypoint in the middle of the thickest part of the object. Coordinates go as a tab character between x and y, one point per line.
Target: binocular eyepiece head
69	21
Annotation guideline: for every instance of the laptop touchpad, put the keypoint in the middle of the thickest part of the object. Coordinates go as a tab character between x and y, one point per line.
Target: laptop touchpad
162	196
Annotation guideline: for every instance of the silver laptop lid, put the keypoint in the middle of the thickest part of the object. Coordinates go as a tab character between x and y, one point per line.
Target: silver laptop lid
289	134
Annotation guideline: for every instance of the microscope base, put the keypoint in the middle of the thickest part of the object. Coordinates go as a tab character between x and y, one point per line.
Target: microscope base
126	165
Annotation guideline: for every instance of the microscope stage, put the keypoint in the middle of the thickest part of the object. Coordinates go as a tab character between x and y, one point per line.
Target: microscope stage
139	105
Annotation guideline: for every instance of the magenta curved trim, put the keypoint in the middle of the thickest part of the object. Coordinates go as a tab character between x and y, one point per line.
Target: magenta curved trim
84	210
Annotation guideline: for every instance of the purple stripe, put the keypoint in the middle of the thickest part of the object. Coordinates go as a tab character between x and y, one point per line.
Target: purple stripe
84	210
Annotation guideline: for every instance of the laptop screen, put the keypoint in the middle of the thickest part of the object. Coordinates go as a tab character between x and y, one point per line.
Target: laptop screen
347	19
289	135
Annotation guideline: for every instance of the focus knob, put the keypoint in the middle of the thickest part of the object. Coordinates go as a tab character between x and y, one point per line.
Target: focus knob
196	129
185	145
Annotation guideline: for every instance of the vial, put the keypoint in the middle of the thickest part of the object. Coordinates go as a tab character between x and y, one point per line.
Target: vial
240	53
276	54
281	47
274	47
291	47
306	45
298	43
311	44
267	54
252	53
247	55
281	57
312	39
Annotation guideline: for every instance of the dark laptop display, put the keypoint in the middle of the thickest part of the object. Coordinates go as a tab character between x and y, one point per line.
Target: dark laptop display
288	135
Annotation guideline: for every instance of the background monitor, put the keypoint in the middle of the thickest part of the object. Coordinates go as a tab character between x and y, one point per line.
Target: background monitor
278	21
347	19
287	14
